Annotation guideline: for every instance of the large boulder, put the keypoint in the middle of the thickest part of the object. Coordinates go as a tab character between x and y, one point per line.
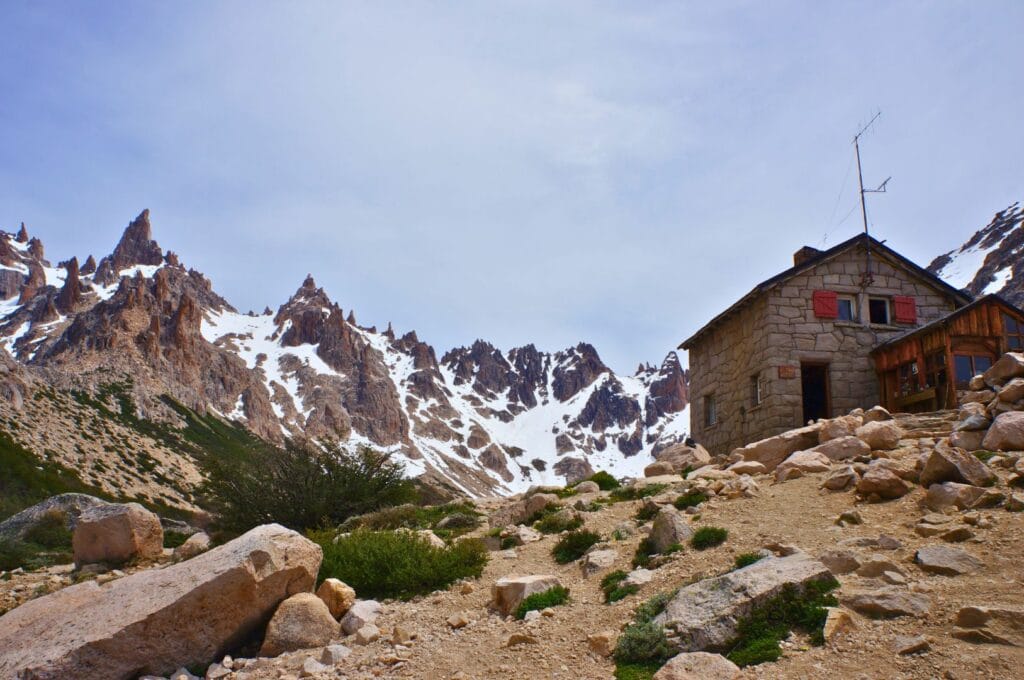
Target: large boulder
773	450
1007	367
887	602
990	624
522	510
116	533
881	482
669	528
801	463
698	666
705	616
946	560
952	494
1006	432
681	456
880	435
843	426
155	621
70	505
508	593
945	464
843	448
303	621
968	440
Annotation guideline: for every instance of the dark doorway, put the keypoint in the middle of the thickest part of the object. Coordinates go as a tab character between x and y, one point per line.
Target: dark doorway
814	383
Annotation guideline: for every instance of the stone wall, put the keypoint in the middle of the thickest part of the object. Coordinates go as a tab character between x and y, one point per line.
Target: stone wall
778	330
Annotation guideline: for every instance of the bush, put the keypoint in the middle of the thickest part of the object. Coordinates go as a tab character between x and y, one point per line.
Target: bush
643	643
398	564
574	545
635	493
611	586
636	671
690	499
552	597
14	554
50	531
604	480
642	556
762	631
646	513
646	612
557	522
303	486
458	518
173	539
708	537
746	559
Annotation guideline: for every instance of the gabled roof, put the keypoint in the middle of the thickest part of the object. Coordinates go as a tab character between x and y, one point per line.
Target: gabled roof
810	263
942	321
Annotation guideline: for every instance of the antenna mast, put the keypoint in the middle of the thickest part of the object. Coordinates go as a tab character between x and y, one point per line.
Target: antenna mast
868	276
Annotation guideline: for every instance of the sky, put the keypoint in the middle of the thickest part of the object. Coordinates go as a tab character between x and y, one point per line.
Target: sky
521	172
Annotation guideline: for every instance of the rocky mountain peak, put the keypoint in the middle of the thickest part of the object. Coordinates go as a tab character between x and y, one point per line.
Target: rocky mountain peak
137	245
990	261
22	236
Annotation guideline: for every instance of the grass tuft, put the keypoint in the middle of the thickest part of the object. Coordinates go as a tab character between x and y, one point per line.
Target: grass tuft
552	597
708	537
690	499
611	586
746	559
574	545
635	493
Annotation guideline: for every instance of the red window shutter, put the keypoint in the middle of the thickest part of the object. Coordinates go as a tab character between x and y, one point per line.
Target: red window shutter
826	304
905	308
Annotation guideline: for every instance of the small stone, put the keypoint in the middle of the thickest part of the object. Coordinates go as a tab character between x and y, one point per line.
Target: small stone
467	588
400	636
458	620
957	535
516	639
360	614
840	562
602	643
334	654
217	671
887	602
905	645
311	667
849	517
531	616
698	666
367	634
837	621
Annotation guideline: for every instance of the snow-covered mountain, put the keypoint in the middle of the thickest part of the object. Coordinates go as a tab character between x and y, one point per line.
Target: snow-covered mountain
480	419
991	260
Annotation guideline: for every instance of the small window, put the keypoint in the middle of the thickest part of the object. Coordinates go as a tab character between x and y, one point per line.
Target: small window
710	410
878	311
756	394
846	307
1014	332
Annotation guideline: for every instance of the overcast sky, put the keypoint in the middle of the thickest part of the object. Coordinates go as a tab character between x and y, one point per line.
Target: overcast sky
543	172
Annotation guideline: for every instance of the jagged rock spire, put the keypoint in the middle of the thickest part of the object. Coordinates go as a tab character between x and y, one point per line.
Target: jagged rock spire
89	267
22	236
71	293
137	245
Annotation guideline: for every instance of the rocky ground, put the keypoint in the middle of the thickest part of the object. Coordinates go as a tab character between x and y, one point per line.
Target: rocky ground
885	504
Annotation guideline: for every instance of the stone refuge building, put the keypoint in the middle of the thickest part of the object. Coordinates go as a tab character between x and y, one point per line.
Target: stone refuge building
798	346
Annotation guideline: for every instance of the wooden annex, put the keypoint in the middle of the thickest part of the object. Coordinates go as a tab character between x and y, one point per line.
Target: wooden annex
924	369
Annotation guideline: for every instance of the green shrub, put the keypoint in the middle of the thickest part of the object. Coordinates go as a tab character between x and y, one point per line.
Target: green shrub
636	671
984	456
396	564
508	542
611	586
646	513
574	545
604	480
643	643
690	499
303	486
552	597
708	537
14	554
642	556
173	539
655	605
50	531
557	522
635	493
760	633
746	559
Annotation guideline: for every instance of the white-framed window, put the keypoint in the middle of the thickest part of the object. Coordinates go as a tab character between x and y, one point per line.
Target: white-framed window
846	308
710	410
756	390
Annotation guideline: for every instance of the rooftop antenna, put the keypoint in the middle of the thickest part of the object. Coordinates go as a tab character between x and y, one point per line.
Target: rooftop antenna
868	276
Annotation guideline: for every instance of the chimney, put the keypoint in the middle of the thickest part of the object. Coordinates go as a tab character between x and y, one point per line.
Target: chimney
804	254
